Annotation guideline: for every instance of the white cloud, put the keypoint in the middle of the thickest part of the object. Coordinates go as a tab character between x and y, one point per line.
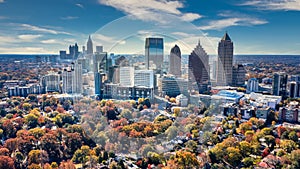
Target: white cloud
25	50
69	17
1	1
29	37
43	30
233	21
293	5
80	5
3	17
151	10
101	37
190	17
50	41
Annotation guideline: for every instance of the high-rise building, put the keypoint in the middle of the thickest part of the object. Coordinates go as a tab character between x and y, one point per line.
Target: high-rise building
51	82
198	69
154	53
144	78
175	61
238	75
100	62
294	89
98	83
126	76
172	86
99	49
72	79
62	54
89	46
252	85
279	84
225	61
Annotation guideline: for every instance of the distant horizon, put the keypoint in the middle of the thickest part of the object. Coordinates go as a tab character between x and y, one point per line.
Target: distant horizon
28	54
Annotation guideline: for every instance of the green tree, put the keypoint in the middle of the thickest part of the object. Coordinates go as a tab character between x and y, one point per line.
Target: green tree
293	136
126	113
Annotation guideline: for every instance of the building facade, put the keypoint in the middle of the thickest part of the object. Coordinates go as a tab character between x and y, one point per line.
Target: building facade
225	61
238	75
252	85
279	85
89	46
154	53
198	73
175	61
126	76
51	82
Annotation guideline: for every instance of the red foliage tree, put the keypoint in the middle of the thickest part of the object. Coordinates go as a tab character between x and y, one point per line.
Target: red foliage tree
6	162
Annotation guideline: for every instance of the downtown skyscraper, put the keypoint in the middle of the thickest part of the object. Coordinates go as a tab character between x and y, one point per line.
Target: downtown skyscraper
154	53
89	46
175	61
198	69
225	61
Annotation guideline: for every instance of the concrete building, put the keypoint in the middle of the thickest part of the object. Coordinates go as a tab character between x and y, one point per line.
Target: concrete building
252	85
172	86
127	76
175	61
72	79
238	75
279	85
89	46
144	78
225	61
294	89
51	82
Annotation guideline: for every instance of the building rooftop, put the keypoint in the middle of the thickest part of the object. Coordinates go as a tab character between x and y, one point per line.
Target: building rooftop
226	37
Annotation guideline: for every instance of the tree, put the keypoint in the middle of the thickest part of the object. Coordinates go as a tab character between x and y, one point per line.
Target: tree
182	160
37	157
27	106
126	113
67	165
295	158
4	152
31	120
293	136
288	145
34	166
245	148
171	132
6	162
234	157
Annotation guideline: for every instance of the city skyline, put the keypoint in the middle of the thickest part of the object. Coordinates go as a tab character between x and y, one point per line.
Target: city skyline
49	26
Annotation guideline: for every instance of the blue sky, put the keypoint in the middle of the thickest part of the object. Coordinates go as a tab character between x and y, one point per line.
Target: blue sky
256	27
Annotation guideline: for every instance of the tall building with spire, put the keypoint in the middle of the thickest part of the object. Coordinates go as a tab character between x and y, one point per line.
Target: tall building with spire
89	46
198	69
154	53
225	61
175	61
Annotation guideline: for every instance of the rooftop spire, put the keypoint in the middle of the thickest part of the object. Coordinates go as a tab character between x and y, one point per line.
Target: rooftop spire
226	37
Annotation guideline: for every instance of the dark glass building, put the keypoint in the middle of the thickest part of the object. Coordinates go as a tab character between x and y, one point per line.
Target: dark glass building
198	69
154	53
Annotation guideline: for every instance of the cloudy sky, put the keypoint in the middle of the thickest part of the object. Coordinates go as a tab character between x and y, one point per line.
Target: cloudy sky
47	26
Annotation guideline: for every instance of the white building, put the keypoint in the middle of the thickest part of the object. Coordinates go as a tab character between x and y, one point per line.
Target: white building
143	78
52	82
252	85
72	79
126	76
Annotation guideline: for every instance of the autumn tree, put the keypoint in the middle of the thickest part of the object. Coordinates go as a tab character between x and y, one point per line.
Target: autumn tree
6	162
